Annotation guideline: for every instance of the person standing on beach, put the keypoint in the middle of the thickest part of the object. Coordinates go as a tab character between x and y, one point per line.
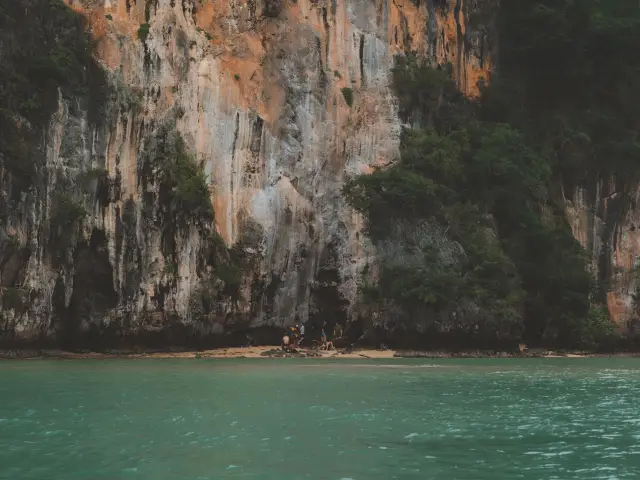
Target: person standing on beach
301	333
337	330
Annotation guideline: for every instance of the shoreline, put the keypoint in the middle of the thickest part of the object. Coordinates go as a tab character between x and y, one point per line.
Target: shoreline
273	351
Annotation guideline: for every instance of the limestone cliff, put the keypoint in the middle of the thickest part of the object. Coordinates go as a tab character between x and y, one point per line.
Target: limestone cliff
280	101
603	220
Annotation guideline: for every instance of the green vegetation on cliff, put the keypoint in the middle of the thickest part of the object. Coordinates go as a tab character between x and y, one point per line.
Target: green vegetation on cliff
182	186
475	248
183	202
52	55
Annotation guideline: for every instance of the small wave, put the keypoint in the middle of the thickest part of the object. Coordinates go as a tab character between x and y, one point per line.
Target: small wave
558	454
373	365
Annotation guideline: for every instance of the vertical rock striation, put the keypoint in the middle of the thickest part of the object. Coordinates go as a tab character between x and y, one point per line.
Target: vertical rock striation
258	91
605	221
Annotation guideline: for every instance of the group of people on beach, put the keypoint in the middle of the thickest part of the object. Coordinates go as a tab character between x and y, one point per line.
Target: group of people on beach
294	337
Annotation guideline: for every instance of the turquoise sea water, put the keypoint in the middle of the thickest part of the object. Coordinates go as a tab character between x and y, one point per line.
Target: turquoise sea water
310	419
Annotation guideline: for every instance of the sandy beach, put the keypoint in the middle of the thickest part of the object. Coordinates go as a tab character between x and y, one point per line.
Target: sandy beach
273	351
263	352
266	351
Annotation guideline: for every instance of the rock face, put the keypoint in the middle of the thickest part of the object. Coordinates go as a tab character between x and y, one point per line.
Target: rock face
604	221
259	90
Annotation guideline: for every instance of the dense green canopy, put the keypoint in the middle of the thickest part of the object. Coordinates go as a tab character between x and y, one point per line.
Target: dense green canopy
563	109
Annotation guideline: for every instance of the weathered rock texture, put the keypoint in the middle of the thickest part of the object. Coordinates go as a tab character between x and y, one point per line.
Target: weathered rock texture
255	89
605	221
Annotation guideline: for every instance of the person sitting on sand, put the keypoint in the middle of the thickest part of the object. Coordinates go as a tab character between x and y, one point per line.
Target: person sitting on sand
285	343
326	344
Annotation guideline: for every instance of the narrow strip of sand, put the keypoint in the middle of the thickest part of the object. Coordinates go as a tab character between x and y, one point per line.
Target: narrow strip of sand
265	351
272	351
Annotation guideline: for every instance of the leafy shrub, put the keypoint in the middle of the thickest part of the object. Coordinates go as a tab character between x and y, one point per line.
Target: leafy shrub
347	93
191	194
272	8
184	193
229	274
170	268
596	331
143	32
66	212
419	87
14	298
